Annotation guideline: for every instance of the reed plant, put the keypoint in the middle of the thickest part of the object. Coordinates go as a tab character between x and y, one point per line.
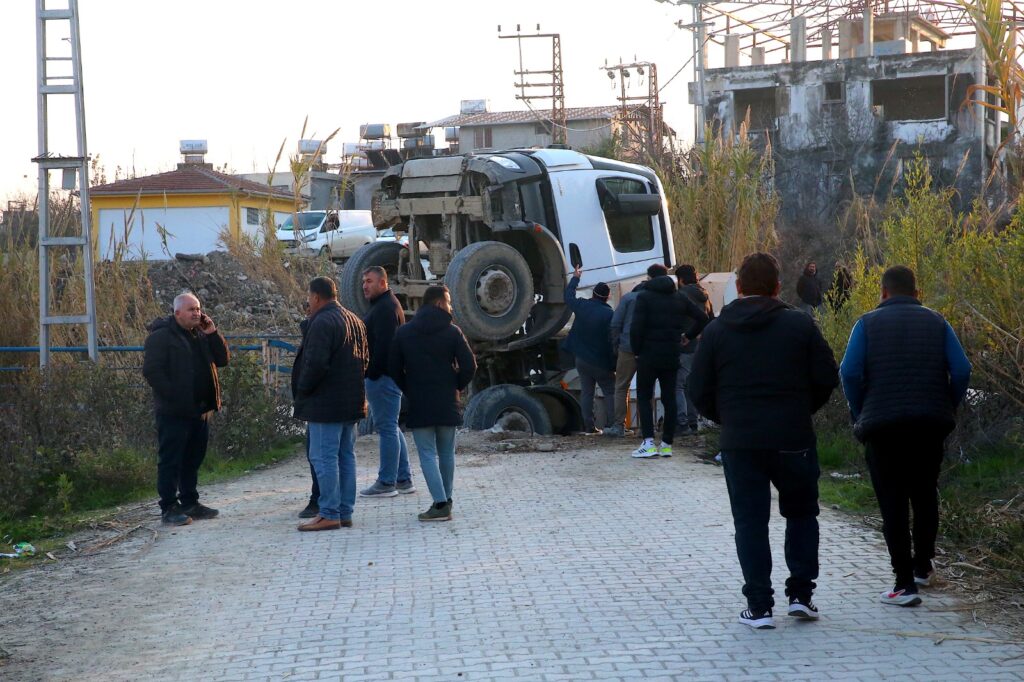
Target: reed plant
722	201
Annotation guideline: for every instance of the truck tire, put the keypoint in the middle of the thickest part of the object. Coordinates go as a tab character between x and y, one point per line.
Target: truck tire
384	254
492	290
511	406
562	407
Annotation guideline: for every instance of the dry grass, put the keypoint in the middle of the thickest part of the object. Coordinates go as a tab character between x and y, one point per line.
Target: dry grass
722	202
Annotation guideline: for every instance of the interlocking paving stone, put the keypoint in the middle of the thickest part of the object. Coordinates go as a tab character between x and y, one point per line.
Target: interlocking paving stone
572	565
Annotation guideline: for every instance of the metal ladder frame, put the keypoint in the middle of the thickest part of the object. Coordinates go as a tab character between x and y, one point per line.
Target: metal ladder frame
51	85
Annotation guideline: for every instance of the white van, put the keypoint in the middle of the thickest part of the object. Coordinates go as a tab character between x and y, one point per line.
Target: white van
334	234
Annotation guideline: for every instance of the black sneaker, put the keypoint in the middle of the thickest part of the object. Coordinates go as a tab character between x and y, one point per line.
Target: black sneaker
759	620
803	608
312	509
201	512
173	516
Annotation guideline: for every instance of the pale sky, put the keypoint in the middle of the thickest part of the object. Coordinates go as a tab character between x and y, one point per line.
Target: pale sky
243	74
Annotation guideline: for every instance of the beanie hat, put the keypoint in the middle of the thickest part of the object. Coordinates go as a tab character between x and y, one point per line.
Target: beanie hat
601	290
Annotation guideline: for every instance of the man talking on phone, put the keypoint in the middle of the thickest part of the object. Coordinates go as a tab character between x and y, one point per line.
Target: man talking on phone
182	355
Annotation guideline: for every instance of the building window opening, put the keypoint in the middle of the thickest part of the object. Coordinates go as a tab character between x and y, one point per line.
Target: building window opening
628	233
482	138
252	216
922	98
760	103
834	91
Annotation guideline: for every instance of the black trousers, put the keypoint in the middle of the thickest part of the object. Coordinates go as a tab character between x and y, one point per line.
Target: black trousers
749	475
182	445
646	375
904	463
314	495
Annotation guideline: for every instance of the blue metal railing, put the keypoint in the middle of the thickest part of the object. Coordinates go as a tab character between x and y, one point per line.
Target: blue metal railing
271	340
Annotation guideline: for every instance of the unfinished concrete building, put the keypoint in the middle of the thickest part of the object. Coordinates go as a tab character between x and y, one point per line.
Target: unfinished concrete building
853	92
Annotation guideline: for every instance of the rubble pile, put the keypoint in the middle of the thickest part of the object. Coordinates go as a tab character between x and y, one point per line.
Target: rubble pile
238	299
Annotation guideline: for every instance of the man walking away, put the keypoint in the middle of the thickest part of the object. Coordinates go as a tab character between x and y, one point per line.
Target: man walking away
182	354
762	369
689	284
904	375
625	364
590	342
385	316
661	317
328	394
808	289
432	362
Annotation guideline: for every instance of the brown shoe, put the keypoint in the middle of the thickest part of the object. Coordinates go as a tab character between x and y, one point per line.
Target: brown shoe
320	523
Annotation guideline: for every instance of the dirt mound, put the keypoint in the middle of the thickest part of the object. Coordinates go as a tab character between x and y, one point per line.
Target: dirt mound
239	299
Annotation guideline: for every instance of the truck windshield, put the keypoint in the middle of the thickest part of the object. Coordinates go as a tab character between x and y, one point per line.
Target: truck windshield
307	221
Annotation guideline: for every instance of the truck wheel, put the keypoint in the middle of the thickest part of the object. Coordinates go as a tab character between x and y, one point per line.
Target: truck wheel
563	409
492	290
384	254
325	252
510	406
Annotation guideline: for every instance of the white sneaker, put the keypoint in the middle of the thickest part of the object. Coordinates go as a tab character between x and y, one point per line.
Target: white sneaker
647	449
900	598
665	450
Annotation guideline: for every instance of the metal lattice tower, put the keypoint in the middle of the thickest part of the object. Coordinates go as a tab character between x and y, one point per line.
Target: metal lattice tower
74	168
559	130
641	115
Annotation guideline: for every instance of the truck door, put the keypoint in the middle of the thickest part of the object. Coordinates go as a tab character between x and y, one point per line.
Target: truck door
615	240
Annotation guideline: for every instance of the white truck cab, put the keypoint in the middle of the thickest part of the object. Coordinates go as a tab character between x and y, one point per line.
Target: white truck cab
334	234
504	231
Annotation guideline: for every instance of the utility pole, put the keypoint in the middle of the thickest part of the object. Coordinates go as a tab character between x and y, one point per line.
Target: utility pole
643	126
700	56
62	82
559	131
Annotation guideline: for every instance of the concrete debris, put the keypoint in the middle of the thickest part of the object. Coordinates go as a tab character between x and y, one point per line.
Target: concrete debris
237	300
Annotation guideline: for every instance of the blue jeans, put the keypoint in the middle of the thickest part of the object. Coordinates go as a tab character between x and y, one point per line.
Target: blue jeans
687	411
385	400
332	451
436	445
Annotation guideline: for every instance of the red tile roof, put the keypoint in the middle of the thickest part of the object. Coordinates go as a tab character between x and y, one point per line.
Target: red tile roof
188	179
497	118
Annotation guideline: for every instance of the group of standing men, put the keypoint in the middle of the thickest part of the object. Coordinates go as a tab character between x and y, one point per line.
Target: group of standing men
763	369
343	362
760	370
650	335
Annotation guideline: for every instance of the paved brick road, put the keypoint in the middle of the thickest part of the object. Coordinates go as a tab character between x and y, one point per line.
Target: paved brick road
571	565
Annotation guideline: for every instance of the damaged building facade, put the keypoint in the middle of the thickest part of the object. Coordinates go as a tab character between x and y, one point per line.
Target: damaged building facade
846	126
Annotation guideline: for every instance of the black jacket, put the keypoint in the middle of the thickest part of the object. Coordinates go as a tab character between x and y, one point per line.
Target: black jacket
327	378
431	362
385	316
660	318
699	295
808	288
762	369
169	366
590	337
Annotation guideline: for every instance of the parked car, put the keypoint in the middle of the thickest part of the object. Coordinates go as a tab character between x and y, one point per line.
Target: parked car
334	234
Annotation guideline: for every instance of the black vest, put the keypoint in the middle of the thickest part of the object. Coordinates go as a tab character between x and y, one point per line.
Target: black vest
906	376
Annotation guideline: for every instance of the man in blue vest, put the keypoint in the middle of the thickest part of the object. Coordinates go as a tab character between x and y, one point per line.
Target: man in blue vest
904	374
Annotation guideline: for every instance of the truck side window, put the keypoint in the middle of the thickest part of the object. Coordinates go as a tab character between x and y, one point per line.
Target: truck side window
629	233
